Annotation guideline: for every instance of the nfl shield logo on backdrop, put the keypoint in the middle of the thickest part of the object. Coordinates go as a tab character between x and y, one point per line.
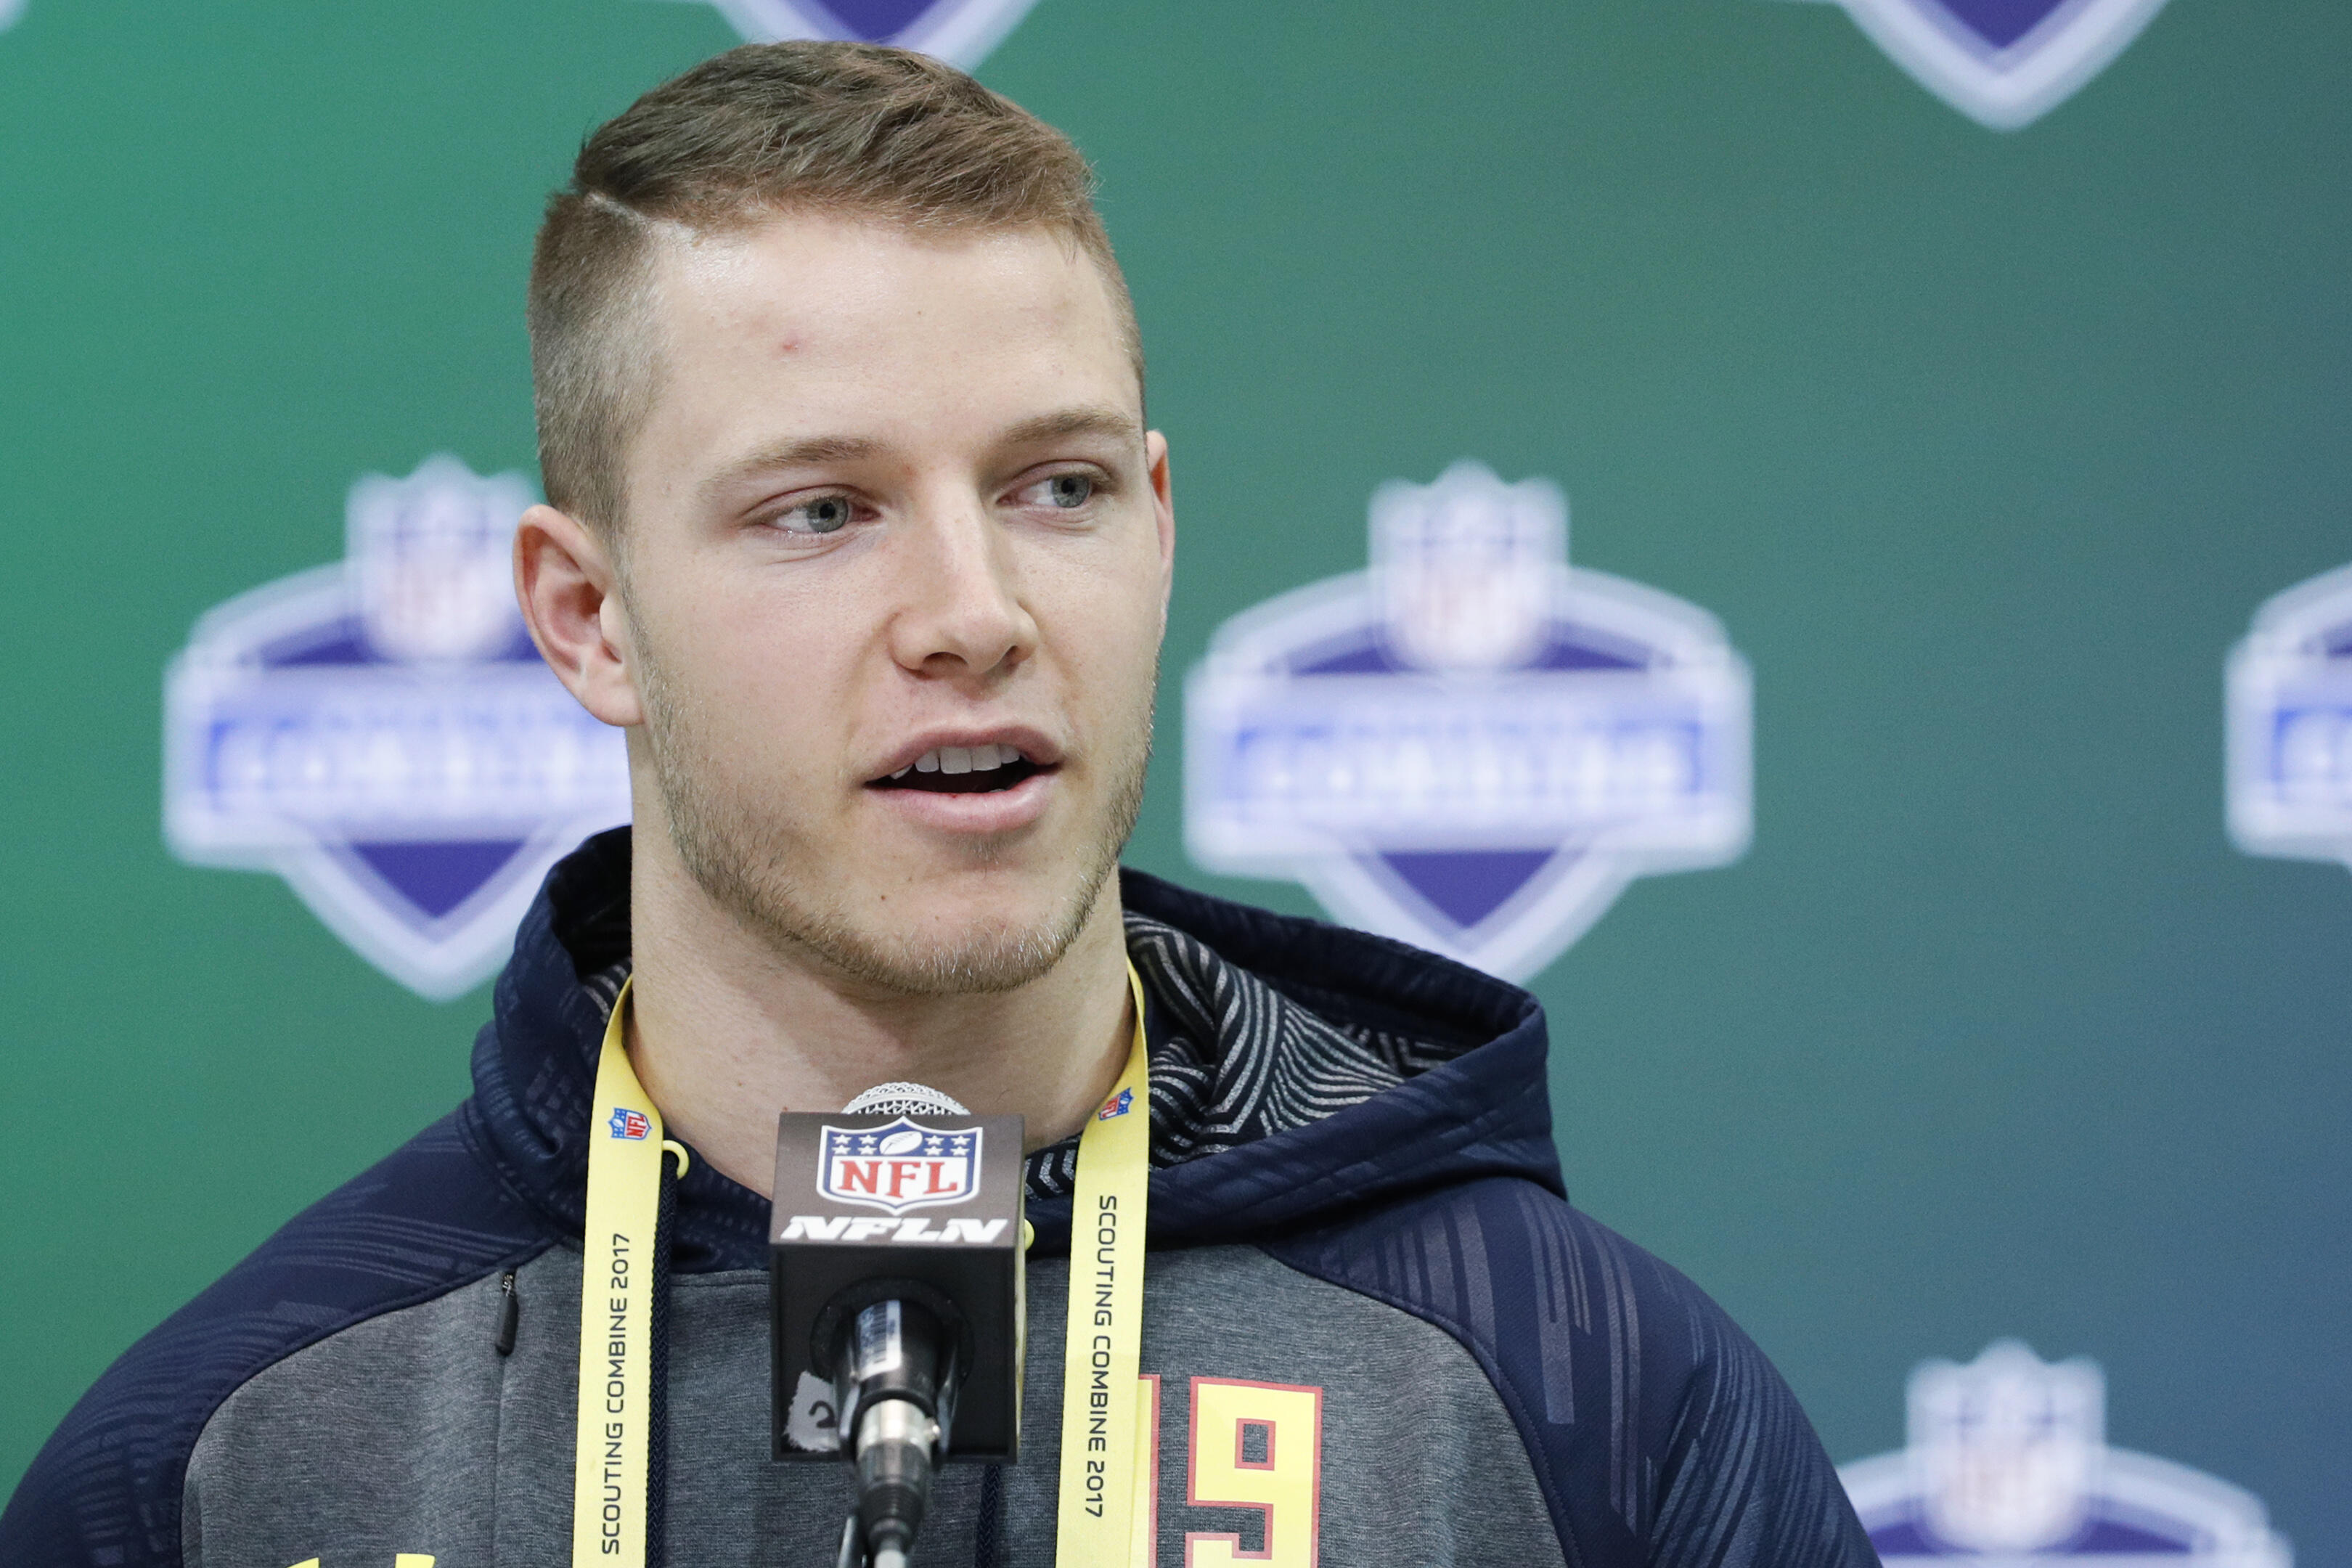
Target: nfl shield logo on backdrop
960	32
2004	63
1469	746
2290	725
383	734
900	1167
2009	1464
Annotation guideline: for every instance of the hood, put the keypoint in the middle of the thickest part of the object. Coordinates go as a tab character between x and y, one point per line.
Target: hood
1473	1101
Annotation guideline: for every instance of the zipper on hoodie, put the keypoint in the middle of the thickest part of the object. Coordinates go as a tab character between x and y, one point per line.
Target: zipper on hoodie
510	1313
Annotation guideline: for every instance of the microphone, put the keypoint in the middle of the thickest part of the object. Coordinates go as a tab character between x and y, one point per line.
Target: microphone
895	1283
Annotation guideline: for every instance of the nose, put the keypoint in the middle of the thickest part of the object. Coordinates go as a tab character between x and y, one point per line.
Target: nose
962	616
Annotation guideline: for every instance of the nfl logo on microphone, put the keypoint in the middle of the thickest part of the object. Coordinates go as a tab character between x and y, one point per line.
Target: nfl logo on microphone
1469	747
899	1166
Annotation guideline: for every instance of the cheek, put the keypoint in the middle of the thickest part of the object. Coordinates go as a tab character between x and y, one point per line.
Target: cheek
760	674
1107	637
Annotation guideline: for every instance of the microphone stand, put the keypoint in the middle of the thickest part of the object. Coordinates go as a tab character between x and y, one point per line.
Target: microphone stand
895	1391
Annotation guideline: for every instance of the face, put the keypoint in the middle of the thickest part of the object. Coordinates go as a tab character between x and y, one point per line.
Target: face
891	591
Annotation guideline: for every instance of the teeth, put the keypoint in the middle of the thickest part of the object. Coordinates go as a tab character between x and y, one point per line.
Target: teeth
962	760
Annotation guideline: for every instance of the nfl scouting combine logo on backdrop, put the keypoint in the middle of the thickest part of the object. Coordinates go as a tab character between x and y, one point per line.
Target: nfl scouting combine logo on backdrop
905	1165
2004	63
2290	725
383	734
2008	1464
1470	746
960	31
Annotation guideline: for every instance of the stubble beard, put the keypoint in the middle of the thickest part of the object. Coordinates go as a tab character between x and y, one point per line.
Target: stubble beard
754	865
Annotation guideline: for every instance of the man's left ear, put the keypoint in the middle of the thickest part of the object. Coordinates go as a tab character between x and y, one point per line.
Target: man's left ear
1163	507
566	586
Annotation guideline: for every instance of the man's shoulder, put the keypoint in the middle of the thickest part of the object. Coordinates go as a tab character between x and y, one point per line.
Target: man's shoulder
1545	1296
430	1218
1660	1433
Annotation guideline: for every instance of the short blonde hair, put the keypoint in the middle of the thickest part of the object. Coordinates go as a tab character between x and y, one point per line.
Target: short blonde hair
756	132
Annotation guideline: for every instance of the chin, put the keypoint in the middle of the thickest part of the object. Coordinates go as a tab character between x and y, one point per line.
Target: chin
914	931
953	956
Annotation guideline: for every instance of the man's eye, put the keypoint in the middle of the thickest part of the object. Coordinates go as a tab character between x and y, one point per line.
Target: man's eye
1066	492
827	514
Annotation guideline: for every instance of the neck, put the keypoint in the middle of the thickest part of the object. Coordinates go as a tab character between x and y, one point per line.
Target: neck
725	1031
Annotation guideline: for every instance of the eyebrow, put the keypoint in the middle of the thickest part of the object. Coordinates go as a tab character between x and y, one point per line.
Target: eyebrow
1093	420
815	450
808	452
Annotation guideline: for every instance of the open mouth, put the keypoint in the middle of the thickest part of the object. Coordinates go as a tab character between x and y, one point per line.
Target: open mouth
962	770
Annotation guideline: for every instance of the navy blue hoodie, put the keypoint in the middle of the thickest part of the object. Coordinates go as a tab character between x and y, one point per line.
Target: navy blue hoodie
1375	1331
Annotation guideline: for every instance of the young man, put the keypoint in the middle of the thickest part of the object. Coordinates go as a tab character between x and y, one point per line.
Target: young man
856	527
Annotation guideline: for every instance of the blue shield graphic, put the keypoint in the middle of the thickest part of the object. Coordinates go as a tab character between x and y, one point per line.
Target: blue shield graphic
2004	63
1469	746
2290	725
383	734
960	32
901	1166
2008	1463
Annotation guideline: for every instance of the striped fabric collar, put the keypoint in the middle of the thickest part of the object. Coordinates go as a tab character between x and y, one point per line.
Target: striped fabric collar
1232	1060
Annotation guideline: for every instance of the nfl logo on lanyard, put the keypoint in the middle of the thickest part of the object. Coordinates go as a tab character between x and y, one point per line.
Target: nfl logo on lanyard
383	734
960	32
2003	63
1468	747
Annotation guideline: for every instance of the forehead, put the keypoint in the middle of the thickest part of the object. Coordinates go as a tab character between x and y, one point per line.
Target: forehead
810	323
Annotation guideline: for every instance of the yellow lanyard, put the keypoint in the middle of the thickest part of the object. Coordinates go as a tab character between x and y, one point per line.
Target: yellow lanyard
617	1282
1102	1357
1104	1448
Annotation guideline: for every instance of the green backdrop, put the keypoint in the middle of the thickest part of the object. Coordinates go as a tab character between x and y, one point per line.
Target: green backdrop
1984	446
